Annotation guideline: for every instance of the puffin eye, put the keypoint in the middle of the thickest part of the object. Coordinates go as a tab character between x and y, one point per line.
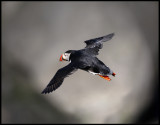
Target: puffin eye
65	54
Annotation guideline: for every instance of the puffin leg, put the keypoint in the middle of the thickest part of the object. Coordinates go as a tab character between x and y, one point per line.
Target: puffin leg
105	77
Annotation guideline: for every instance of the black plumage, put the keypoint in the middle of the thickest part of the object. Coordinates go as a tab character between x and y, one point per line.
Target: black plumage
57	80
84	59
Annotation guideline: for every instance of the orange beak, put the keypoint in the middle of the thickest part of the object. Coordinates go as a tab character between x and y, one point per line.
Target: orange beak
61	58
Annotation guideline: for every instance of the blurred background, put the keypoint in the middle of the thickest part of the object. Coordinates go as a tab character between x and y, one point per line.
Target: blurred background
35	34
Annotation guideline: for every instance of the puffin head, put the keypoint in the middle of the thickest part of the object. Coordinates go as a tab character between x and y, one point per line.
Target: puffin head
65	56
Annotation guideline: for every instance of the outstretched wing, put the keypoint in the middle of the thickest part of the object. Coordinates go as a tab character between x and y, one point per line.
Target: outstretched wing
57	80
93	45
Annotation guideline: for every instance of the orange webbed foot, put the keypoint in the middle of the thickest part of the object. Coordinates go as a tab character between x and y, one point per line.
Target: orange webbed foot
113	74
105	77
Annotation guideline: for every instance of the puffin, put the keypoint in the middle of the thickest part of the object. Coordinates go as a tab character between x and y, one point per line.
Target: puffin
84	59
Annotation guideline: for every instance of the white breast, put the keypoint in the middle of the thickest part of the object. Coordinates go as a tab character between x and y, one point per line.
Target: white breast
92	72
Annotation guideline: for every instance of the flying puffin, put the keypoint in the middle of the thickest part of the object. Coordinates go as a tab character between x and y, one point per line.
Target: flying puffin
84	59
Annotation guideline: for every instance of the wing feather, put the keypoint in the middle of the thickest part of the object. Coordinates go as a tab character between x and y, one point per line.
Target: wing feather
59	77
93	45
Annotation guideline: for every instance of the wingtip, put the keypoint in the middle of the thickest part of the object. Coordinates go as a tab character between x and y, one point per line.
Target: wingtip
108	37
43	92
47	90
111	35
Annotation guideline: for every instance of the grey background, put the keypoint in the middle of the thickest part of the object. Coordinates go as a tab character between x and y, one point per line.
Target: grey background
35	34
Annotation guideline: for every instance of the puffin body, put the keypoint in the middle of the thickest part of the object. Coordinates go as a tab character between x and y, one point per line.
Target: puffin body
89	63
84	59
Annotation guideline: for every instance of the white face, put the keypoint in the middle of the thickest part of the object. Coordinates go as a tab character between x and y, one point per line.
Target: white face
66	56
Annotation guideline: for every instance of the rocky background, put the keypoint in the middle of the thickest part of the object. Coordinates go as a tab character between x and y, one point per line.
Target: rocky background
35	34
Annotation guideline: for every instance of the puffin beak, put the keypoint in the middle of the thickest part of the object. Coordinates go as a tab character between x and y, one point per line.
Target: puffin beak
61	58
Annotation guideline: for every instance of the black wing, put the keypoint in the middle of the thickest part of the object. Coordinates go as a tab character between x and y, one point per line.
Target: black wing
93	45
57	80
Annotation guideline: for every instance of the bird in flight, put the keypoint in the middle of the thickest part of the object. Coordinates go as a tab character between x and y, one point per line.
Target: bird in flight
84	59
